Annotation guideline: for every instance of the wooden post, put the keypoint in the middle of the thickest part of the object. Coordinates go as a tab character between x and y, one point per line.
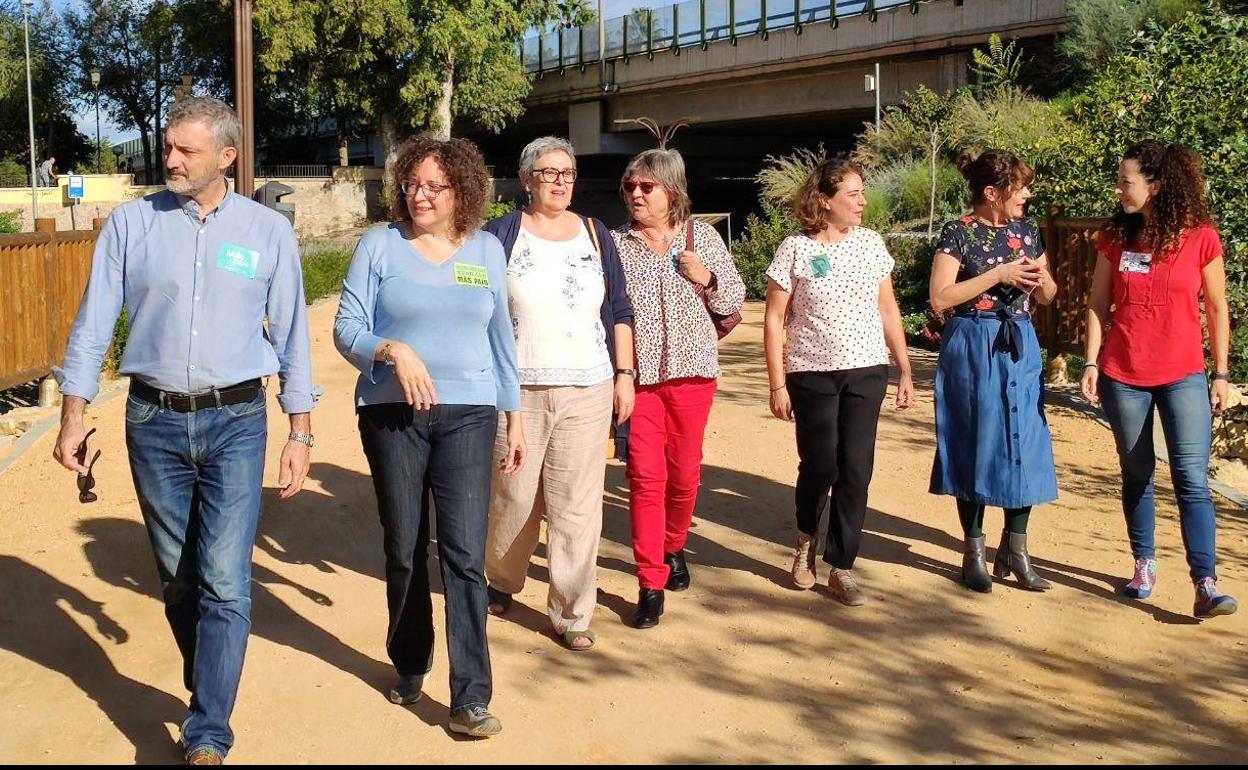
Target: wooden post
45	225
244	105
98	223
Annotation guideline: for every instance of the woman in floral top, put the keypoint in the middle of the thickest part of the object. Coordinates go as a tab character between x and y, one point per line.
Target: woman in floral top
992	441
672	283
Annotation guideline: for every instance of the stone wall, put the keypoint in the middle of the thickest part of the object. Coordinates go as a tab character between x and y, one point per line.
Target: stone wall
349	198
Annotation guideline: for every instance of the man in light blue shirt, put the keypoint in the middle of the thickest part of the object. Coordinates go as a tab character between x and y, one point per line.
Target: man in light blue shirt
213	289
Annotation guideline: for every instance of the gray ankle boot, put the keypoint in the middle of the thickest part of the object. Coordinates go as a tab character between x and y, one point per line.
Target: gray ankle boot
1012	558
974	567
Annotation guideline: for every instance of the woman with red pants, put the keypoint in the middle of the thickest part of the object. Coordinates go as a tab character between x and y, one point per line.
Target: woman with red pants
674	285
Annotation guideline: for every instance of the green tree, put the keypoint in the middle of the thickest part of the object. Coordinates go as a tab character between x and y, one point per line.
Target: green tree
1099	29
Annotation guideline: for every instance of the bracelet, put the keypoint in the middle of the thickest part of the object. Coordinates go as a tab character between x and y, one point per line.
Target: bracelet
780	387
1223	376
628	372
1094	366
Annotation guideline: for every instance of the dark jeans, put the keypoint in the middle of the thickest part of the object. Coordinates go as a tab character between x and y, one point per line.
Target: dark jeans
198	478
836	414
1186	421
446	451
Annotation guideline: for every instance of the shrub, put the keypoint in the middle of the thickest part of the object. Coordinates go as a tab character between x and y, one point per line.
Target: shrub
756	247
13	174
324	268
10	221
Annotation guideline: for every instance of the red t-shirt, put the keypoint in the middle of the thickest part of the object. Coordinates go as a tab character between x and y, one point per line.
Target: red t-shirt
1156	337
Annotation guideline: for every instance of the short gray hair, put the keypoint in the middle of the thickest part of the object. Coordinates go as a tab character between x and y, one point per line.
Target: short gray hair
667	168
216	114
539	147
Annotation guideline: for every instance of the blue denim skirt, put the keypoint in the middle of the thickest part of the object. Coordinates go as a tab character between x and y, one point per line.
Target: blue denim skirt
993	445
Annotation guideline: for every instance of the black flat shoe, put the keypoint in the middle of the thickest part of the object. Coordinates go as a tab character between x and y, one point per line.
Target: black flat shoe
649	608
678	579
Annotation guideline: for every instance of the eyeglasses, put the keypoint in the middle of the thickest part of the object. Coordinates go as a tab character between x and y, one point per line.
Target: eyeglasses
646	187
86	482
432	189
552	174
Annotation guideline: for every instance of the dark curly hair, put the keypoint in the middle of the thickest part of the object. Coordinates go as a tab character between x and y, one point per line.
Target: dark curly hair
464	167
823	180
1178	205
1001	170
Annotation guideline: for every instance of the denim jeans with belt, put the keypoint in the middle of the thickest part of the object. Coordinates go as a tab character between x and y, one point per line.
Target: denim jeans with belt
1186	420
446	452
198	476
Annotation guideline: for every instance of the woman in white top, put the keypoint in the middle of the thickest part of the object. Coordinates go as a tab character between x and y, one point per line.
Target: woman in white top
831	322
572	321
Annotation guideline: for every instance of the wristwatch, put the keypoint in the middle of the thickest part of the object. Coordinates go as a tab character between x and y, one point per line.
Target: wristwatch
302	438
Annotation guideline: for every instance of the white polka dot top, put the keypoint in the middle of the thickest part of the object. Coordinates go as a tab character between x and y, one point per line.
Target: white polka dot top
834	319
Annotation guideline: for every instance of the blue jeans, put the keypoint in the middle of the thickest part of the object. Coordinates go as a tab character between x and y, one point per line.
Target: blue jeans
198	478
1186	420
446	452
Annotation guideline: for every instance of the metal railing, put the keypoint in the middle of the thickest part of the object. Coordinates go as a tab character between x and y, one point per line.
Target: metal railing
645	32
297	171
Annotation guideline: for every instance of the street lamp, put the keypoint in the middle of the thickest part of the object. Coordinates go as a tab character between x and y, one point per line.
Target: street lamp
95	84
30	112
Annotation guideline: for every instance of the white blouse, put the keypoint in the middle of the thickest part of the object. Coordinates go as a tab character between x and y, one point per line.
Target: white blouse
556	289
834	319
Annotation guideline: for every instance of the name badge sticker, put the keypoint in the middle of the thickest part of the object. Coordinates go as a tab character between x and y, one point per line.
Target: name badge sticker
820	265
472	275
1135	262
239	260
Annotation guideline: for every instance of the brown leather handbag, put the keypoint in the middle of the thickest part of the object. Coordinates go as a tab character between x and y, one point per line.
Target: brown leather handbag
724	323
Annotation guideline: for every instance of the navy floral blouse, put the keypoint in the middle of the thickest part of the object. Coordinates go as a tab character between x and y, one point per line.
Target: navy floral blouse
980	248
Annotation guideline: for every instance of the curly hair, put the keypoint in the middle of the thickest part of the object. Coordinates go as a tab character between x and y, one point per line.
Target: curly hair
1179	203
464	167
1001	170
823	180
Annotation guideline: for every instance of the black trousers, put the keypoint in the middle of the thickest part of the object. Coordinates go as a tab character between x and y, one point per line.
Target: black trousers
836	414
447	454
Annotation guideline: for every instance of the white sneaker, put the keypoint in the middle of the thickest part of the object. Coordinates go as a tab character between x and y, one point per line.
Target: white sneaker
803	570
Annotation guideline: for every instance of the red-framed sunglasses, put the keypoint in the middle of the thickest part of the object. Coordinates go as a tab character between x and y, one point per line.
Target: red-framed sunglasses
646	187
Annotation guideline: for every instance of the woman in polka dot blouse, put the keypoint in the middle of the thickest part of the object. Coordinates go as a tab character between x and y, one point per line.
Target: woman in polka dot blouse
832	320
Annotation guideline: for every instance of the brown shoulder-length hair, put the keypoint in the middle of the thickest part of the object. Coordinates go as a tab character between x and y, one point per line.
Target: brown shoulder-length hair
824	180
1178	205
464	167
666	167
1001	170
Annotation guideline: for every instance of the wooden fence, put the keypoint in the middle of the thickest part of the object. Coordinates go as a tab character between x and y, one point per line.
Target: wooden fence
43	275
1071	245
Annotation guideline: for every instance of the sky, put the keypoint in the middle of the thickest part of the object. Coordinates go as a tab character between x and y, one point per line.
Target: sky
85	118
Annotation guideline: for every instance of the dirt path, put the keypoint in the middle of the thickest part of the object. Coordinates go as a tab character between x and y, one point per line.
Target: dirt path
743	668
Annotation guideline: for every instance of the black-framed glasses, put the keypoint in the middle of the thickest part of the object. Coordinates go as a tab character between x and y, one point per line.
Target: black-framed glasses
86	481
552	174
432	189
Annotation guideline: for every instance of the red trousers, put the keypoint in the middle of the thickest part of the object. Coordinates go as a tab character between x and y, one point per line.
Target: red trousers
664	469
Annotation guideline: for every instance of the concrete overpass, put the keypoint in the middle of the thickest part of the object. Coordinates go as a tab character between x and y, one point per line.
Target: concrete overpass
751	87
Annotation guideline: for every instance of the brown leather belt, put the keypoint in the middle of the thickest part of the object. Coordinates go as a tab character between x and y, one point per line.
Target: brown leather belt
240	393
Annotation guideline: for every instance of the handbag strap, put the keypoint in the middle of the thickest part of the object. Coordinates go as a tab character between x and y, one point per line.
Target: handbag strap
689	235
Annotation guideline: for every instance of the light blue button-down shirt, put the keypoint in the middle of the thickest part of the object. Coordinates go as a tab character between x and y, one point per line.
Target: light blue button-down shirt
198	295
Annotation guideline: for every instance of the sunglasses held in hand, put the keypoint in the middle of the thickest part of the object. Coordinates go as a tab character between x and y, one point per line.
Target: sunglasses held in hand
86	482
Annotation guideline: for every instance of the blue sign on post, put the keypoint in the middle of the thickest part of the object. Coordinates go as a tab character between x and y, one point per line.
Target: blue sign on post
75	187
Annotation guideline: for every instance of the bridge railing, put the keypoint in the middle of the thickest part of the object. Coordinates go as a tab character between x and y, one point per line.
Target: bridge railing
645	32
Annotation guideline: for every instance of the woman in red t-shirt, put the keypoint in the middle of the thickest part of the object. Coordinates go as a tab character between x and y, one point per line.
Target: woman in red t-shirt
1158	254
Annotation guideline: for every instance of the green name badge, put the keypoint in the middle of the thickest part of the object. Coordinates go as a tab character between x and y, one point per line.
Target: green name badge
820	265
472	275
238	260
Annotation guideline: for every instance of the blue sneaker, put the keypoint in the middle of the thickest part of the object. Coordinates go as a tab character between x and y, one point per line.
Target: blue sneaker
1210	603
1141	586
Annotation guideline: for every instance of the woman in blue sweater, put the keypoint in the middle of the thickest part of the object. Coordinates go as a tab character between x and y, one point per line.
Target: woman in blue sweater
424	317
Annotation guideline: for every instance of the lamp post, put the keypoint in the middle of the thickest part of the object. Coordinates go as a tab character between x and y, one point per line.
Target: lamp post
244	99
30	113
95	85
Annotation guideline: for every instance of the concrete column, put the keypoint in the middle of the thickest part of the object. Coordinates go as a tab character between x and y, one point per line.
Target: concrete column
585	127
955	70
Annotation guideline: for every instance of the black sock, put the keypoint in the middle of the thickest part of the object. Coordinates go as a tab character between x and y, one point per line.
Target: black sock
1016	520
972	517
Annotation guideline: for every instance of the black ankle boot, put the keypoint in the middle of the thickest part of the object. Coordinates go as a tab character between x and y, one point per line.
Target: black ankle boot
1012	558
678	578
649	608
974	567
